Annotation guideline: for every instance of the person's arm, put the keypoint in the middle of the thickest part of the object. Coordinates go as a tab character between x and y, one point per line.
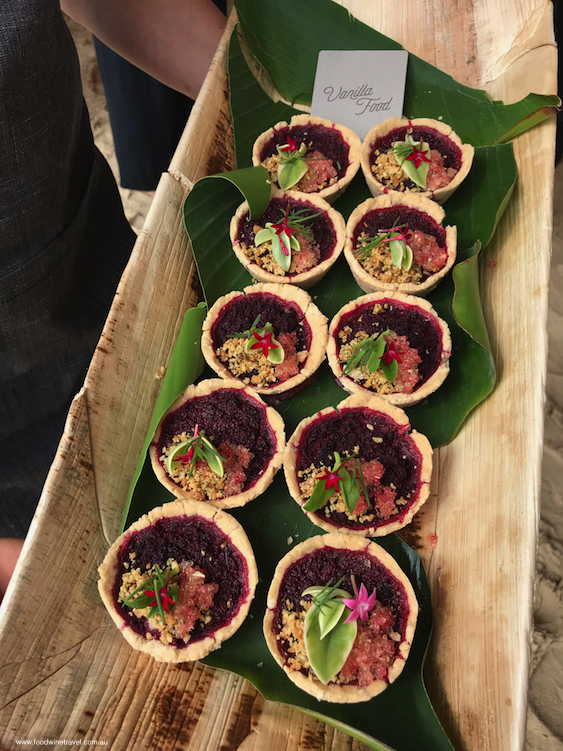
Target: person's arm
172	40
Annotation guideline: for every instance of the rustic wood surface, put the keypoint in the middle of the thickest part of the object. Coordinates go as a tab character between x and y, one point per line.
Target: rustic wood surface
67	673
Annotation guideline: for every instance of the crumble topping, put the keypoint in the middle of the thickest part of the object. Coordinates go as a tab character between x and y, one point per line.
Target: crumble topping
254	368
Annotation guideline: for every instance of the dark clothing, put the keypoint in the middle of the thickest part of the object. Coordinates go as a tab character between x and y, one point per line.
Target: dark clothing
147	119
64	242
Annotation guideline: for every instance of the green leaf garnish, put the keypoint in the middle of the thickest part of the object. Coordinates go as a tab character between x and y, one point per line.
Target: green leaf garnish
349	489
401	254
374	352
413	159
390	371
264	339
194	449
328	640
157	592
325	486
292	166
281	235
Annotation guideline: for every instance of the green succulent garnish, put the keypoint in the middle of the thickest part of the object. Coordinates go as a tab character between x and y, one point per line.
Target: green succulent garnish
328	639
413	159
261	338
194	449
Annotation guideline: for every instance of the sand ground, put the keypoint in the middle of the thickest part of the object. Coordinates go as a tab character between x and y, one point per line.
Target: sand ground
545	712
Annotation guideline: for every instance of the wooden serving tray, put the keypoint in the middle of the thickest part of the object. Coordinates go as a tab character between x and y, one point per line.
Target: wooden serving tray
65	670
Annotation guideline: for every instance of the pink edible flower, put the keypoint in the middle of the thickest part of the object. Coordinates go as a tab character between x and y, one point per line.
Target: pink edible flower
283	226
186	458
360	605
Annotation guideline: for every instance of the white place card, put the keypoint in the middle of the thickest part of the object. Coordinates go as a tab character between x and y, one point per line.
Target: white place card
360	88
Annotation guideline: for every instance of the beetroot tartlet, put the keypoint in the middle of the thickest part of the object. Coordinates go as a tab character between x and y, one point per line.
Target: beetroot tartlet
179	581
219	443
296	240
354	589
422	155
396	243
392	345
272	337
364	446
323	156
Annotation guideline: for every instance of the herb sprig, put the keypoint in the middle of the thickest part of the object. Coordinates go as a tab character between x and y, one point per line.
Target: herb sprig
377	351
197	448
156	593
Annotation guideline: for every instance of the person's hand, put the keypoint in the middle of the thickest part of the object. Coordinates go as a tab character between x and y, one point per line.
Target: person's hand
10	549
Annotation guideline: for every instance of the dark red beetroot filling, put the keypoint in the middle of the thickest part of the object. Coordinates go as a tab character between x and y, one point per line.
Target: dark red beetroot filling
450	152
343	432
184	539
328	141
422	331
227	415
321	226
325	564
240	313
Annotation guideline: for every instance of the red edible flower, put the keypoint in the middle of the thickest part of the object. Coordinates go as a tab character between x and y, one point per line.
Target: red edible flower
263	341
164	596
283	226
331	480
390	353
290	146
417	156
186	458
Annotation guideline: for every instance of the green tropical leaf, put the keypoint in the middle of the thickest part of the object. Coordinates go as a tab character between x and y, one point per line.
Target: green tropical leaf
270	30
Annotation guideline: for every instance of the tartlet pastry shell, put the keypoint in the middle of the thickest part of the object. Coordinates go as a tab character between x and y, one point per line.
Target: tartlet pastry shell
334	692
274	420
307	278
369	283
331	192
400	399
378	404
108	571
382	129
316	320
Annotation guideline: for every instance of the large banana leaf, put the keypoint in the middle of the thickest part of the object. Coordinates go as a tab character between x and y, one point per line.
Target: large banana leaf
402	717
286	38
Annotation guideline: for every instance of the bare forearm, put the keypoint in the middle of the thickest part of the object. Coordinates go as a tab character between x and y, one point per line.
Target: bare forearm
173	40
